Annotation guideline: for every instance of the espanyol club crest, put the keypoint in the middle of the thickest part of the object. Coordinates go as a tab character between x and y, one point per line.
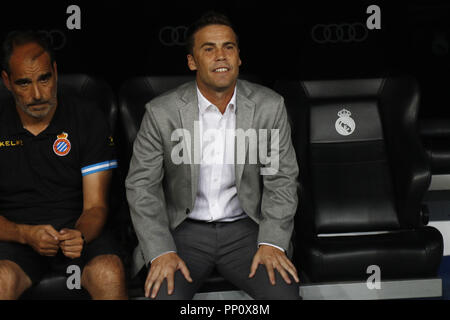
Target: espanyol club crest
345	125
61	146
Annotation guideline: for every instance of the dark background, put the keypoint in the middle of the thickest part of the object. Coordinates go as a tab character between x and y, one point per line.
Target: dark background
122	38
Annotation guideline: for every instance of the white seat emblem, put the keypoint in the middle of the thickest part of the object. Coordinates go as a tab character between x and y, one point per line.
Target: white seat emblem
345	125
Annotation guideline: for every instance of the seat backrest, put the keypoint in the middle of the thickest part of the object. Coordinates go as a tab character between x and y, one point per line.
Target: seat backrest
133	96
360	175
92	89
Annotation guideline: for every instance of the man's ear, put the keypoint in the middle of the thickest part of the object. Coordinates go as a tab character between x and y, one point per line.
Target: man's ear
191	62
5	79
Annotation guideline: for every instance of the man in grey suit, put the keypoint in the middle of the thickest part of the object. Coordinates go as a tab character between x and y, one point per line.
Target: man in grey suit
198	198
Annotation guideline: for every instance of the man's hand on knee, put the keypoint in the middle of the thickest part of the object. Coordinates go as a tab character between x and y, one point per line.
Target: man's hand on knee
44	239
273	258
164	267
71	243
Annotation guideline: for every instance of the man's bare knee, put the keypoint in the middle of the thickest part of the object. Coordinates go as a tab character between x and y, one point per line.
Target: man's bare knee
104	269
13	280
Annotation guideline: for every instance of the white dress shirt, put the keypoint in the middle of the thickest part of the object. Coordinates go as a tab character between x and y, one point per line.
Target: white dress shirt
216	194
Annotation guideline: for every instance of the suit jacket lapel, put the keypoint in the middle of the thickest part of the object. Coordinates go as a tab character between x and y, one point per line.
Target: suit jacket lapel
189	119
245	109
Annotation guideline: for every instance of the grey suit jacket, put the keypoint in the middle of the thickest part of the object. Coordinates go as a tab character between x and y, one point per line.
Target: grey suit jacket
161	193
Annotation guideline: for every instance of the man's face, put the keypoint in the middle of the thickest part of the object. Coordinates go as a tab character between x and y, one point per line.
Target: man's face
215	57
32	80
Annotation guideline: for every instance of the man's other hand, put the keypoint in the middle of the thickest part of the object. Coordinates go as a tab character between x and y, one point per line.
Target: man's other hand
273	258
164	267
44	239
71	243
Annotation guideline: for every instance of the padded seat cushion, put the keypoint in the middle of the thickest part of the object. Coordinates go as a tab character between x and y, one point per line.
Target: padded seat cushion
400	255
54	287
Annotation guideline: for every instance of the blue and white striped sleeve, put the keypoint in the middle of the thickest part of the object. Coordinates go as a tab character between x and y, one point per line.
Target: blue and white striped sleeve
101	166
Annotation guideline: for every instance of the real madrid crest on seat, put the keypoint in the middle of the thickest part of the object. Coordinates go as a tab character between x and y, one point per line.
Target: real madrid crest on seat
345	125
62	146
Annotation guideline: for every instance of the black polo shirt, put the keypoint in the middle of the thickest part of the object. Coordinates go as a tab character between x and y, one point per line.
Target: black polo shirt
41	176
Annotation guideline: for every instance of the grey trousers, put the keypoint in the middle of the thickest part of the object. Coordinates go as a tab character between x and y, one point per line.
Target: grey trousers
230	247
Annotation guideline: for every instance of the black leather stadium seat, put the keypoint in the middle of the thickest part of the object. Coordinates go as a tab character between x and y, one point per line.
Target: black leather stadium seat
363	175
93	89
53	285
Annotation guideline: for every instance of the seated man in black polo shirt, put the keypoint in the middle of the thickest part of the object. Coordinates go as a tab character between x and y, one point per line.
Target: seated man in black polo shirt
56	157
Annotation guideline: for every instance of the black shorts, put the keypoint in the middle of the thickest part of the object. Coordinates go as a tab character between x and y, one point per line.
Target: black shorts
36	266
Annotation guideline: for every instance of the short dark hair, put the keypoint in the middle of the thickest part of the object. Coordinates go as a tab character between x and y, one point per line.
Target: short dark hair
209	18
20	37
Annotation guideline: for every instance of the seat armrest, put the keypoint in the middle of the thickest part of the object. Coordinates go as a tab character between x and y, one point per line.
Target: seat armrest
425	214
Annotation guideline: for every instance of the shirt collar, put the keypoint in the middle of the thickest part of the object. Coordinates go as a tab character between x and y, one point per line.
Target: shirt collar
204	103
57	123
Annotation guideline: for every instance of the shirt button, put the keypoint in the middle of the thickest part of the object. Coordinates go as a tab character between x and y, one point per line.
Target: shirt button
188	211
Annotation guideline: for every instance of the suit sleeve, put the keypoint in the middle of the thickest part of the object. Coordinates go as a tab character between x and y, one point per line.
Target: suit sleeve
145	193
279	197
